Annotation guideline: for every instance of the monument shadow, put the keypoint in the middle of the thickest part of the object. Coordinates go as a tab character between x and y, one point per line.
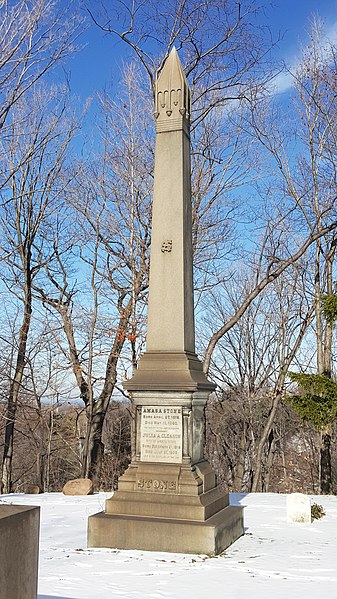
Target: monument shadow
53	597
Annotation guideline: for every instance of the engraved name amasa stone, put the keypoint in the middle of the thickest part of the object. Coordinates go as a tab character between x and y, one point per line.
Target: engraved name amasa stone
161	434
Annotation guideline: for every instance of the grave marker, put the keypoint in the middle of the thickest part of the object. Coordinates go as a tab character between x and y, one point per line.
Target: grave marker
298	508
168	498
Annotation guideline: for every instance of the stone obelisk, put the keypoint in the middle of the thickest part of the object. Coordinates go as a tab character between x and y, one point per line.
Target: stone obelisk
168	498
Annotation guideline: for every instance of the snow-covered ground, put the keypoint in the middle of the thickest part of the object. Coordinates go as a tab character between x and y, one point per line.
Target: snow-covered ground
273	560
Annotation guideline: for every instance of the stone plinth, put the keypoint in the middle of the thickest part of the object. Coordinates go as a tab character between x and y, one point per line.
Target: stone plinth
167	534
19	549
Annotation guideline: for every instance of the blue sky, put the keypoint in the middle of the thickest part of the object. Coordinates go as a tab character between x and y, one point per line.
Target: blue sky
97	65
291	17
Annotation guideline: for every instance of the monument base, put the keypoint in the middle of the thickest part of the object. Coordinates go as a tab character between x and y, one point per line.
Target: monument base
167	507
168	499
146	533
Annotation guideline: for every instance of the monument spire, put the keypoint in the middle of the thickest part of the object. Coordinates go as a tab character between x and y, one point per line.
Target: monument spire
171	310
170	360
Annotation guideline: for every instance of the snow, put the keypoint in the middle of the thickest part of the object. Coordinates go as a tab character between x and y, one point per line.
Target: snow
274	559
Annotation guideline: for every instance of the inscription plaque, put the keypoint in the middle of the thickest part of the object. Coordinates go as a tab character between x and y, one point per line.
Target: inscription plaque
161	434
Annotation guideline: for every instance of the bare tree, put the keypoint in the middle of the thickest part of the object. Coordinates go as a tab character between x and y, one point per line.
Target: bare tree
30	204
219	73
303	210
317	92
251	362
223	46
302	223
34	36
111	200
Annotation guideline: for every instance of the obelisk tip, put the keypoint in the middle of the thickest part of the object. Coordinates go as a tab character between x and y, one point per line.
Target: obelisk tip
172	95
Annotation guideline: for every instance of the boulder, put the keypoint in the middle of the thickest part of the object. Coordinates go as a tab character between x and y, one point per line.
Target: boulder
33	490
78	486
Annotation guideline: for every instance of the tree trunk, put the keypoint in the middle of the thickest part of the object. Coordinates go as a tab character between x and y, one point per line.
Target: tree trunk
40	468
328	325
239	467
270	460
15	388
277	395
93	448
264	437
325	452
326	474
318	312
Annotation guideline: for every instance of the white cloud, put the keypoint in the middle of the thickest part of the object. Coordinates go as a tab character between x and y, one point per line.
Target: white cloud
284	81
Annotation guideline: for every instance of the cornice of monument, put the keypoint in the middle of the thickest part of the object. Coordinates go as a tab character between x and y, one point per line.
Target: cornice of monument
169	371
172	97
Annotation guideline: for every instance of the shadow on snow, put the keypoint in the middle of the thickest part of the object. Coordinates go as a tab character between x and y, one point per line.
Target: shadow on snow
53	597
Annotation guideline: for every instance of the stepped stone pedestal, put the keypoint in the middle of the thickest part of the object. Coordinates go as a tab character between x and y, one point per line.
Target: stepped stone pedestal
168	499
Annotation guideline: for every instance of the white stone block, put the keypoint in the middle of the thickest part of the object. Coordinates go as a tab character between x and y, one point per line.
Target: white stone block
299	508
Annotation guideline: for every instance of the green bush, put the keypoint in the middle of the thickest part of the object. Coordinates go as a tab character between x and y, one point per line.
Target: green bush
317	511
